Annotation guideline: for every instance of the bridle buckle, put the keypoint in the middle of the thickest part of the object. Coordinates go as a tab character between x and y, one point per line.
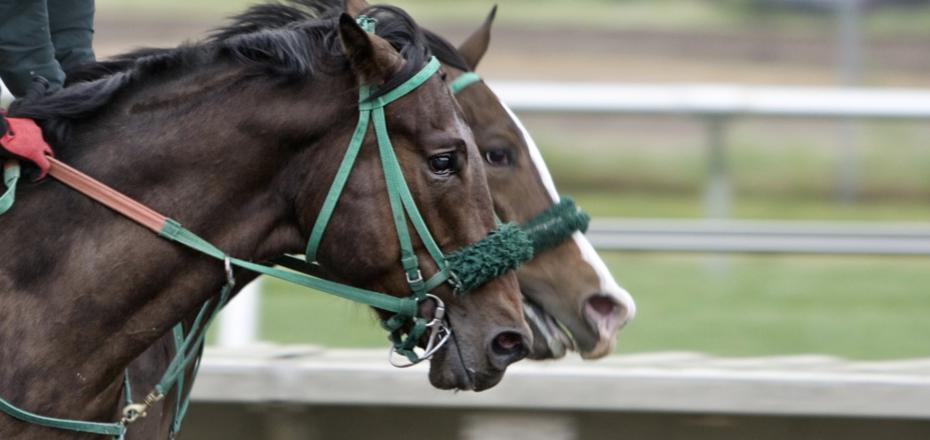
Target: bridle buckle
439	334
417	279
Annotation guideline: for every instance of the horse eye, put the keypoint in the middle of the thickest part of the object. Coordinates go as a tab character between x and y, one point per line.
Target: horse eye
500	157
443	164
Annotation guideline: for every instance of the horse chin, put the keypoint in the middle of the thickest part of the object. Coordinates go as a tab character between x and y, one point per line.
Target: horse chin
592	333
449	371
550	340
600	315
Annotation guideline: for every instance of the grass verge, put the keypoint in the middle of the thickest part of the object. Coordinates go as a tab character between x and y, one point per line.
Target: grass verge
861	308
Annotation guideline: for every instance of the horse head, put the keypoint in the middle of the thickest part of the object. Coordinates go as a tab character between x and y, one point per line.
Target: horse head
568	285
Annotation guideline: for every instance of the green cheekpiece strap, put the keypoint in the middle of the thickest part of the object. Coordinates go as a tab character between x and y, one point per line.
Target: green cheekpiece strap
339	182
180	404
464	80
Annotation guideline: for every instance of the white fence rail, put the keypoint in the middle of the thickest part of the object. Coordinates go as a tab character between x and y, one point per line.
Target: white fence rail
714	100
765	236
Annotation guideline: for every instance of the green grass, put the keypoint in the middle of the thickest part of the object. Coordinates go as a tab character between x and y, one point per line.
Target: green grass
861	308
853	307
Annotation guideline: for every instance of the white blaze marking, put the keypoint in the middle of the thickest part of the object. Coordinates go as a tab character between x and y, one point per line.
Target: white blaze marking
609	286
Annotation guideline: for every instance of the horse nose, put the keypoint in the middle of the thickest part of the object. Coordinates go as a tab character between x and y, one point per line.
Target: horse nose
606	313
508	347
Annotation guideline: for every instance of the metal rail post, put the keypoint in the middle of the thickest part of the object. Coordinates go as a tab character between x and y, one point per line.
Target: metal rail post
238	326
849	47
718	193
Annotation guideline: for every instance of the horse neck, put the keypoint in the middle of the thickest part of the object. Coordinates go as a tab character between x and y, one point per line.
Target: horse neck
98	289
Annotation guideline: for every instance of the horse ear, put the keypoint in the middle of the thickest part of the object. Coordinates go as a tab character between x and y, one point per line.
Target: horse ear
476	44
372	59
354	7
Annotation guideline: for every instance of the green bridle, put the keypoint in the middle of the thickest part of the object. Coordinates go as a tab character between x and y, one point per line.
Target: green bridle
404	209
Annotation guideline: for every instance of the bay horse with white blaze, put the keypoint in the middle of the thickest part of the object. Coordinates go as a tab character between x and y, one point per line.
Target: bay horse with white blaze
567	286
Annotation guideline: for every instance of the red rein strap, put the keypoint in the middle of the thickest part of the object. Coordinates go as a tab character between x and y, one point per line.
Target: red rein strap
109	197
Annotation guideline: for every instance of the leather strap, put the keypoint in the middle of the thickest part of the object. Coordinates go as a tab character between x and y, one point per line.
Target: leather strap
113	199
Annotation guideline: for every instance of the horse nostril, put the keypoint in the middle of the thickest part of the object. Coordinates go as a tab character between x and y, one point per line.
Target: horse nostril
603	304
509	346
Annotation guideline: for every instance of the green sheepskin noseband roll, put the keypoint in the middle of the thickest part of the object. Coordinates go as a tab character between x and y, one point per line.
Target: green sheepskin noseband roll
504	249
510	245
556	224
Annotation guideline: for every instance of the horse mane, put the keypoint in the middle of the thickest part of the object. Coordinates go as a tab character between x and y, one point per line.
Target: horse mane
277	15
294	50
256	19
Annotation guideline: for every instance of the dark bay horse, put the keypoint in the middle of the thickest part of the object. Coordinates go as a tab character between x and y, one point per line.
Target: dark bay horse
237	140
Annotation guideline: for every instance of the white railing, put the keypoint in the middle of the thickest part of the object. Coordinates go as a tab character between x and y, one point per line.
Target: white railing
713	100
761	236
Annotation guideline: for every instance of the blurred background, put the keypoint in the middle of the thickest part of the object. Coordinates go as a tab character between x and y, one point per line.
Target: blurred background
792	179
649	166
